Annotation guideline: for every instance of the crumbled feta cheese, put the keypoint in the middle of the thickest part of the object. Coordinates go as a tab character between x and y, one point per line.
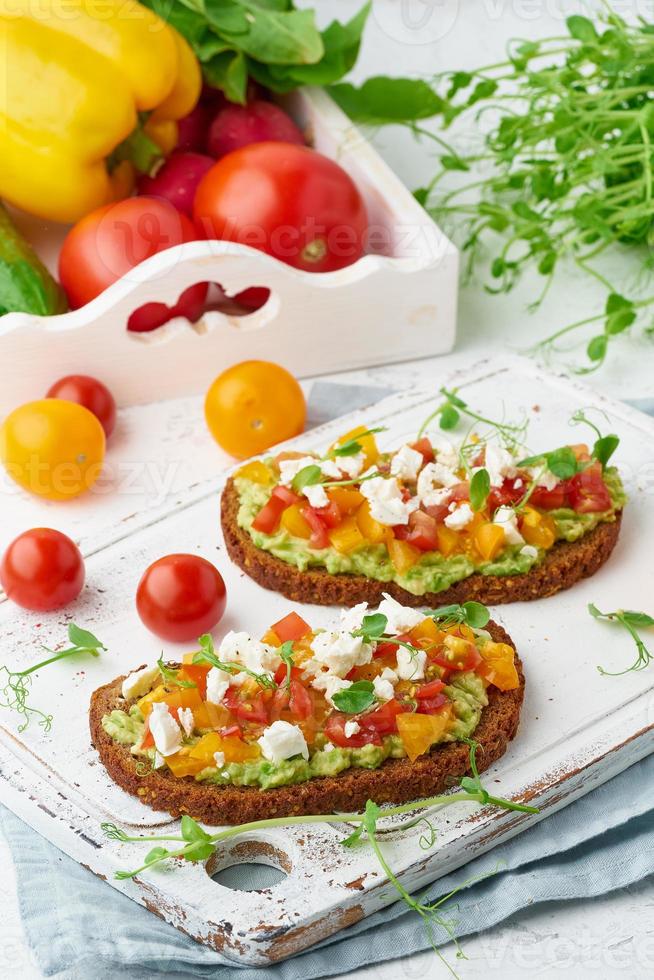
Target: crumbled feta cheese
406	463
506	518
242	649
282	741
399	618
329	684
434	483
387	505
328	747
388	674
460	517
351	728
340	652
518	484
445	452
411	666
351	466
186	720
289	468
452	507
217	683
139	682
351	619
158	762
529	551
383	688
165	731
219	759
545	477
329	468
316	495
499	463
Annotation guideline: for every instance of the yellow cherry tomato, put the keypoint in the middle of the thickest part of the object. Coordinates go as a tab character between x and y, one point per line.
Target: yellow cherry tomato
53	448
252	406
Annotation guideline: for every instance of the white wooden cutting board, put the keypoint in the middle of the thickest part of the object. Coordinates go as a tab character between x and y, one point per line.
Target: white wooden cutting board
578	728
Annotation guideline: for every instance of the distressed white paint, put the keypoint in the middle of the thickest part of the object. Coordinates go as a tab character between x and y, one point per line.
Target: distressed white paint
578	728
386	307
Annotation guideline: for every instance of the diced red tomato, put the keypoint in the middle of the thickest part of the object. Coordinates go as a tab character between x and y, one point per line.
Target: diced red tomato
382	719
230	731
401	531
505	495
147	741
335	732
291	627
388	647
319	538
587	492
286	496
430	706
466	661
280	674
439	511
423	531
252	709
301	702
425	447
460	491
330	514
548	499
197	673
268	518
430	690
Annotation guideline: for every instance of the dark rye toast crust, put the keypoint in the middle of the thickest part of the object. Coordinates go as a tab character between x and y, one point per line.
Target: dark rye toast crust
565	563
395	781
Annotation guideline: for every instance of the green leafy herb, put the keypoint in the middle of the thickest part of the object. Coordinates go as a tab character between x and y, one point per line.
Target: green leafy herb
561	462
170	675
198	845
16	683
358	697
373	626
604	446
632	621
285	651
308	476
353	446
207	655
479	489
271	41
472	613
449	413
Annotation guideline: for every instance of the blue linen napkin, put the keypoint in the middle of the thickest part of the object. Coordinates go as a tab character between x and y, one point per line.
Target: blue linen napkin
78	928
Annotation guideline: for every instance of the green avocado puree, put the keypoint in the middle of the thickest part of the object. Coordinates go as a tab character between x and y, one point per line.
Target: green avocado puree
434	572
466	691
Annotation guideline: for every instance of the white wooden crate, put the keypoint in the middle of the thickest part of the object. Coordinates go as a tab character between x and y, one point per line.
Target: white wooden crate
577	730
391	306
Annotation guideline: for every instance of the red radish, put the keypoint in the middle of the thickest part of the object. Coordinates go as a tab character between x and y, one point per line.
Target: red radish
236	126
192	129
177	179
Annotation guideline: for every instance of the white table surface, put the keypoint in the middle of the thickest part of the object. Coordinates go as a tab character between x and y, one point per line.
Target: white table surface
608	937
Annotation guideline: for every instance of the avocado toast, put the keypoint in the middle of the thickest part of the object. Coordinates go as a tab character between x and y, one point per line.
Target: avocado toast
314	721
430	522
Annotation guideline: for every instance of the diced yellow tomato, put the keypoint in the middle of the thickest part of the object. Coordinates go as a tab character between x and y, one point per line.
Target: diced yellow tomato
346	537
145	703
271	638
419	732
498	665
449	541
368	443
188	657
208	715
181	764
295	523
371	529
403	555
347	499
256	472
233	748
538	529
489	540
427	632
197	674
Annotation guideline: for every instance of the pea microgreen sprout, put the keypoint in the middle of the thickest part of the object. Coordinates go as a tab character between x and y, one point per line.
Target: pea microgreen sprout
449	413
358	697
632	621
285	651
604	446
207	655
170	675
352	446
16	686
473	614
311	474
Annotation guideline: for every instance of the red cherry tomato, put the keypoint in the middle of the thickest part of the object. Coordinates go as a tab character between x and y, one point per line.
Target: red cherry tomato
91	394
548	499
335	732
110	241
42	569
587	493
180	597
286	200
301	702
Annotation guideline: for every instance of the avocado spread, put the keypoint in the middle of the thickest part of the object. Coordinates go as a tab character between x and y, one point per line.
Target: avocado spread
433	572
466	691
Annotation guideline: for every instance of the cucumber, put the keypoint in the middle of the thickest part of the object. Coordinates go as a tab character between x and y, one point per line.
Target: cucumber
26	286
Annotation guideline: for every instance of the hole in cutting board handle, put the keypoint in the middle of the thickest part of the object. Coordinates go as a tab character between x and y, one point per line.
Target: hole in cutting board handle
249	877
249	865
194	302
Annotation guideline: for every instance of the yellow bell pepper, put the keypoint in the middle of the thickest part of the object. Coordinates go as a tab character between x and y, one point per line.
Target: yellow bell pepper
79	79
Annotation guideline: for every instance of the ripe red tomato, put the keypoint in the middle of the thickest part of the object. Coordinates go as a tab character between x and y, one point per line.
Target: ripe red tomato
110	241
42	569
335	732
286	200
587	492
180	597
548	499
423	531
91	394
291	627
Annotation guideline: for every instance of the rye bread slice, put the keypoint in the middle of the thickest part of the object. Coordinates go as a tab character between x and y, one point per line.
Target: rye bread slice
395	781
566	563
